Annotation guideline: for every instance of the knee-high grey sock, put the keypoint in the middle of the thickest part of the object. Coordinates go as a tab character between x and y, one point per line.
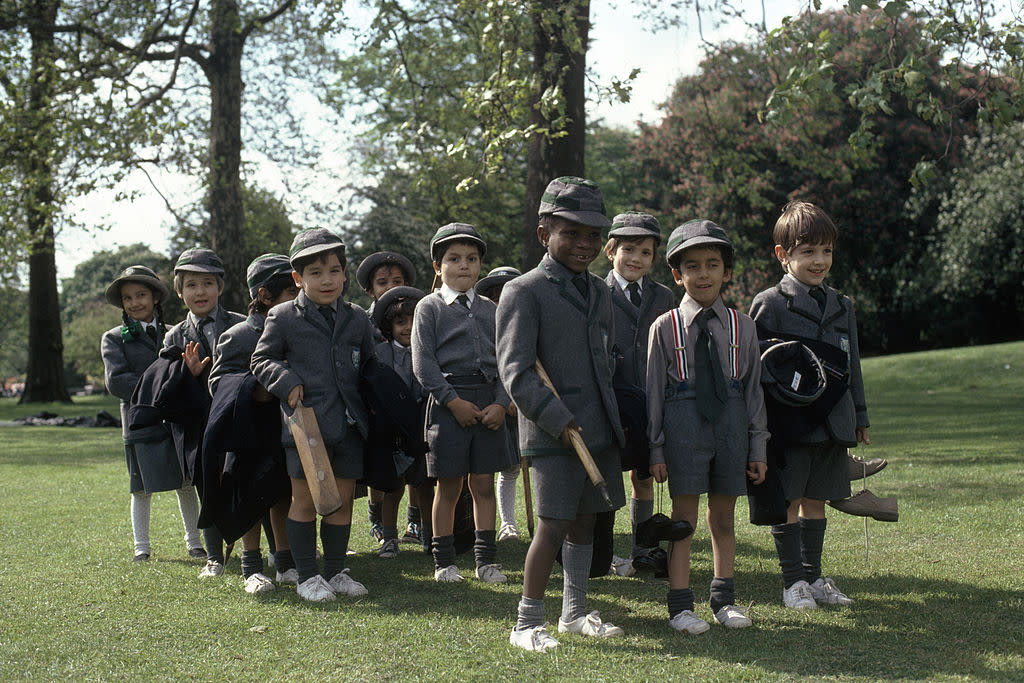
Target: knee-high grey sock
373	511
188	504
412	514
812	539
530	613
679	600
787	545
302	539
140	507
484	547
214	543
639	511
507	495
723	592
576	574
252	563
335	541
283	560
443	549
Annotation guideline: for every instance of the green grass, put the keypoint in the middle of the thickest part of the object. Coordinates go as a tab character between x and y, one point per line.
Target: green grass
940	597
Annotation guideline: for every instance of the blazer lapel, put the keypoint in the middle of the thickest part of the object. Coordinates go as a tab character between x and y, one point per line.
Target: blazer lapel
312	314
800	302
566	290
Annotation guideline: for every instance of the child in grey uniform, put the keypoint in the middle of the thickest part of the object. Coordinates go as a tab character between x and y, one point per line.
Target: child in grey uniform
707	417
127	350
453	357
560	315
801	306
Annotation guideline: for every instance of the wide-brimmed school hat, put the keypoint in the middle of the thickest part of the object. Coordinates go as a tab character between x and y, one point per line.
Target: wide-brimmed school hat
792	374
263	269
576	199
496	278
636	224
391	296
374	261
199	260
313	241
694	234
454	232
142	275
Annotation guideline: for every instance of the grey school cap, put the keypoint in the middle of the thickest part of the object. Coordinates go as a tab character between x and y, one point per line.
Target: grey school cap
636	224
374	261
263	269
142	275
314	241
576	199
454	232
199	260
389	297
496	278
693	234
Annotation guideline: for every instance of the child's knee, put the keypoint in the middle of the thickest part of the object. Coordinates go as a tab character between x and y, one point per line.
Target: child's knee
643	489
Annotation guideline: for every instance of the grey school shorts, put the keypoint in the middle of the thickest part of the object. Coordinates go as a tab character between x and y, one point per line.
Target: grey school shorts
702	456
454	450
819	471
562	490
346	457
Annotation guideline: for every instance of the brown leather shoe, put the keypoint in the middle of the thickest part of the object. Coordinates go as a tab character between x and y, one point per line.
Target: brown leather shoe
866	504
861	468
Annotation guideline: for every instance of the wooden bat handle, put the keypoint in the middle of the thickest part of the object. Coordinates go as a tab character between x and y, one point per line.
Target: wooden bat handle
578	444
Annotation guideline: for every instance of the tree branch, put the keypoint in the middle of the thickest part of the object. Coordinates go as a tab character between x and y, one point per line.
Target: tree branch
257	22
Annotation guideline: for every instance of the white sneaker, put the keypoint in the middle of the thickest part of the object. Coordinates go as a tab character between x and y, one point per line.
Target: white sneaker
271	562
388	548
590	625
449	574
258	583
212	568
291	576
534	639
491	573
315	589
824	591
732	616
799	596
343	584
508	530
688	622
621	566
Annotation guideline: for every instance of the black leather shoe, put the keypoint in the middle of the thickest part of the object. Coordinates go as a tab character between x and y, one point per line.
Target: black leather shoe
141	557
659	528
653	560
197	552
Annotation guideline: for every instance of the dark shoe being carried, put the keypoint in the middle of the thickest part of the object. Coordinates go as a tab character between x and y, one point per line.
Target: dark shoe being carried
861	468
866	504
658	528
654	560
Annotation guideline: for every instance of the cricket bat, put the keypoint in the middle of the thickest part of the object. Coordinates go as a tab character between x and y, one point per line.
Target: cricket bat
315	463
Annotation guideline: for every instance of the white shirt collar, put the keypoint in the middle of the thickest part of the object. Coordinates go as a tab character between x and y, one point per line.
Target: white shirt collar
802	285
399	346
623	282
450	295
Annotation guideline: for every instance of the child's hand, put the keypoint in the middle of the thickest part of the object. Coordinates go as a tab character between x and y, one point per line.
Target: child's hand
466	414
493	416
193	362
295	397
756	472
512	410
862	436
565	432
659	472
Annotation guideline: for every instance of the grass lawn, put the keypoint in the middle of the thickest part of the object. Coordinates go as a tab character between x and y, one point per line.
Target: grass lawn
941	596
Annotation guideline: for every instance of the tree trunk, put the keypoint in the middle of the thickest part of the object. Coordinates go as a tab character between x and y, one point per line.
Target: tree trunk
561	67
45	376
224	202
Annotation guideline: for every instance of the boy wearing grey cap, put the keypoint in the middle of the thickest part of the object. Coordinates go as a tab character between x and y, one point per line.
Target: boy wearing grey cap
199	282
560	315
311	351
707	423
800	307
453	357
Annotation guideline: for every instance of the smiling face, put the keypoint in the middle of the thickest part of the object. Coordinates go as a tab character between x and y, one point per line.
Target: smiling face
322	279
137	301
808	263
401	329
460	266
572	244
200	292
384	278
631	260
702	273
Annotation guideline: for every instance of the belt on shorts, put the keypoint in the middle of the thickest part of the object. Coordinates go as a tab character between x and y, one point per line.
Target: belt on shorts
474	379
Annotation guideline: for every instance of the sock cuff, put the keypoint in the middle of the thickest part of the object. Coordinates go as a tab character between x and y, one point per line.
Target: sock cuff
808	523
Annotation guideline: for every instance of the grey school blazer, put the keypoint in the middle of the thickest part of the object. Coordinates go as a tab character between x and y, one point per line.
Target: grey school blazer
185	331
788	309
633	325
297	348
542	316
234	349
123	365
